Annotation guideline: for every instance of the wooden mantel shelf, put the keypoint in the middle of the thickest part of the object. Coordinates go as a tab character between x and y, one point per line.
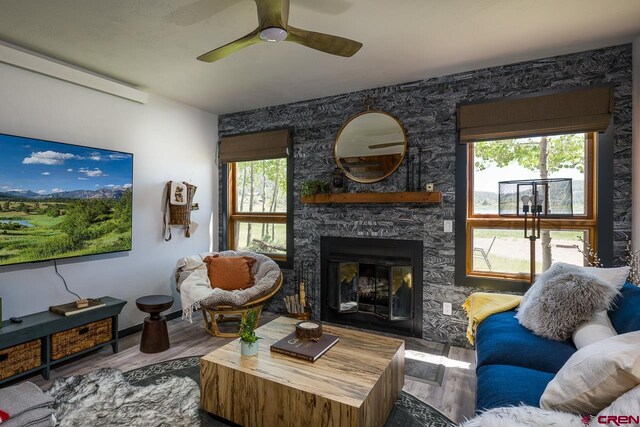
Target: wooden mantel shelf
400	197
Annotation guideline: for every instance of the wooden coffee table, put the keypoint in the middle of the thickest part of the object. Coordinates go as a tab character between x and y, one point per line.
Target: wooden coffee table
356	383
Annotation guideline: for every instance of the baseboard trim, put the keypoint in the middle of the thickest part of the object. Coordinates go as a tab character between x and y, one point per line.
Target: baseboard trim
137	328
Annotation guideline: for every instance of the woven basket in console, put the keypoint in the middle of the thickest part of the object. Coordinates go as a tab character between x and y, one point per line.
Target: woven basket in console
81	338
19	358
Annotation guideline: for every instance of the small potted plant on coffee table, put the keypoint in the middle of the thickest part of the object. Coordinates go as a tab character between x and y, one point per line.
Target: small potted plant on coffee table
248	338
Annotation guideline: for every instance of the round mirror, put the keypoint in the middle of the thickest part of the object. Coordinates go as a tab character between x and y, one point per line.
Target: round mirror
370	146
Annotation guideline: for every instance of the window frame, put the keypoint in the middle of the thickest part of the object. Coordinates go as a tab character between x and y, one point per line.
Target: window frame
598	218
586	221
231	217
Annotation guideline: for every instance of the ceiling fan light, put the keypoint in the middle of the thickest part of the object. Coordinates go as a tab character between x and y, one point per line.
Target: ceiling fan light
273	34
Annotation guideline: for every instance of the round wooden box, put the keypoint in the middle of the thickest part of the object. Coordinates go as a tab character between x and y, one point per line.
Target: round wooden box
308	329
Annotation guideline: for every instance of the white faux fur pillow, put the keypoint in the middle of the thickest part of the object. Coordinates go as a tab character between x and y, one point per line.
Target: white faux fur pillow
615	277
528	416
563	298
595	376
523	416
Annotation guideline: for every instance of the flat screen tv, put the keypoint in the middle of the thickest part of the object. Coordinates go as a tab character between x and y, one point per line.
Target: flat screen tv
61	200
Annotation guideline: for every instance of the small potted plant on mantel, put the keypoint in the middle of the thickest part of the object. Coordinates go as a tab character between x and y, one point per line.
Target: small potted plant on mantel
248	337
312	187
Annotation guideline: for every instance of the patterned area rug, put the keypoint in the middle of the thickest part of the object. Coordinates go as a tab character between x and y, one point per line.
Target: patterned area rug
407	412
423	360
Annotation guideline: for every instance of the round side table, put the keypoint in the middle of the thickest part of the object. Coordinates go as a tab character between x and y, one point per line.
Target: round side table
155	337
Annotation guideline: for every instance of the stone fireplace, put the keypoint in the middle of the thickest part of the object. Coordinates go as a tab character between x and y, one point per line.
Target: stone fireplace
372	283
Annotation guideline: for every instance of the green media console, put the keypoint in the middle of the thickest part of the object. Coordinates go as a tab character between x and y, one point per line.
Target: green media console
46	339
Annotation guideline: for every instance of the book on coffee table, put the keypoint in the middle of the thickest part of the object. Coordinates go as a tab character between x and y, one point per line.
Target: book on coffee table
305	349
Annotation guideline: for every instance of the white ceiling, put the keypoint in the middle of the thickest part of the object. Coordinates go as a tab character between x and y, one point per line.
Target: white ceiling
152	44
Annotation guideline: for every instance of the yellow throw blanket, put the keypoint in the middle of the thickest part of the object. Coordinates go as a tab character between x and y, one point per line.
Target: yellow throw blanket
481	305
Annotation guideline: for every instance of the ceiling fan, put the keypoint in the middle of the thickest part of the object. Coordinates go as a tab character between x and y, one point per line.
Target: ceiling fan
273	26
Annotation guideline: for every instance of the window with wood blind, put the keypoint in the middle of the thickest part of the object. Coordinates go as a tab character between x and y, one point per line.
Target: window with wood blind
495	245
258	202
538	136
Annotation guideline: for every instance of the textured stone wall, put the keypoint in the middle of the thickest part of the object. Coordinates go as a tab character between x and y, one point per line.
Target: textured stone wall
427	110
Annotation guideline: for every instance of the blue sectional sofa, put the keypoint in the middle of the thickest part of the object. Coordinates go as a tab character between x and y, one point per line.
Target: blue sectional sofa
514	366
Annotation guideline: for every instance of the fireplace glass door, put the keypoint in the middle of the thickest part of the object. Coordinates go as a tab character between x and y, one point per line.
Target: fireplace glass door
400	294
382	288
344	295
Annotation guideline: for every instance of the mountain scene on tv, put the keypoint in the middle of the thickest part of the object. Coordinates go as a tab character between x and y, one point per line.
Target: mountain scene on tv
59	200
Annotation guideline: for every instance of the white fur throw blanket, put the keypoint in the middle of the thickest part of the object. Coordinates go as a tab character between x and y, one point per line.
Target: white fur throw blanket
195	288
105	398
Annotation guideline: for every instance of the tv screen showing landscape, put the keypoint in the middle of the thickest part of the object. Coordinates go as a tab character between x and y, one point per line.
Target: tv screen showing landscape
60	200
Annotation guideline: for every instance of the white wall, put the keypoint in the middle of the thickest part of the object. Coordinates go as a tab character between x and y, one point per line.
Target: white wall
635	199
169	140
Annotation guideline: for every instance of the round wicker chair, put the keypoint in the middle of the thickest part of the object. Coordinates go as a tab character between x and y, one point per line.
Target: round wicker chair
216	313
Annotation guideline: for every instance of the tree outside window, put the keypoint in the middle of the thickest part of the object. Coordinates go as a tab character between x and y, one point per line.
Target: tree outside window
258	206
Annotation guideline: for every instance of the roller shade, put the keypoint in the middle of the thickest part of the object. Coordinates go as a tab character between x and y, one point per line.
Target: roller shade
579	110
255	146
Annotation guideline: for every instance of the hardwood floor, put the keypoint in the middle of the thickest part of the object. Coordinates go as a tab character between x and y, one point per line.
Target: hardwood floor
455	397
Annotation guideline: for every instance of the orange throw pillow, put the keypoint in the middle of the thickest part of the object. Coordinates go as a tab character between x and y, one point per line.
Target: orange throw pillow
230	273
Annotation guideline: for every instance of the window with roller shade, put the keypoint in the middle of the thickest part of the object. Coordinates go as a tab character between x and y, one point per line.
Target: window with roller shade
533	137
258	203
496	246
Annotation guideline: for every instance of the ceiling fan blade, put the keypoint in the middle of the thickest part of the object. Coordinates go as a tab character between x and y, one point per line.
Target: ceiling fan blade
273	13
229	48
323	42
385	145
